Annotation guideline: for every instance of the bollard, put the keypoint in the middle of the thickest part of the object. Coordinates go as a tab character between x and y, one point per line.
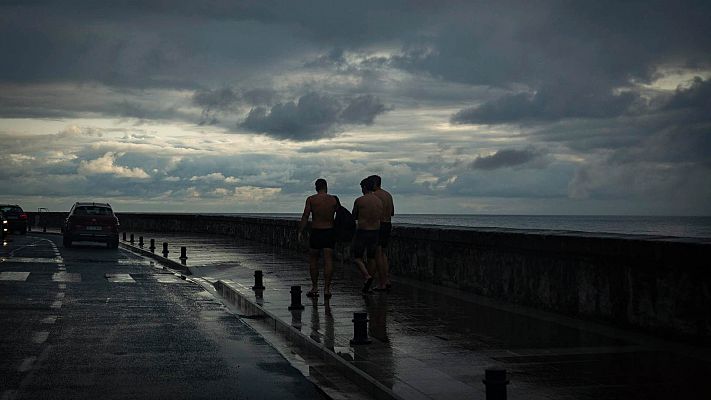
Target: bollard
165	249
495	382
124	236
183	253
131	239
296	298
152	248
360	328
258	284
44	229
140	241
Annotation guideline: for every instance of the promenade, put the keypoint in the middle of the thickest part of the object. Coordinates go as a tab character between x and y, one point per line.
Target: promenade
430	342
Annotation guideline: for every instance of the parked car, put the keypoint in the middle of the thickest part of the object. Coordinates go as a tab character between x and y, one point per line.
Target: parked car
4	230
16	218
91	222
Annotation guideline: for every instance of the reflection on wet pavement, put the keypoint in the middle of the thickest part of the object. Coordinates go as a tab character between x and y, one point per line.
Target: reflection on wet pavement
430	342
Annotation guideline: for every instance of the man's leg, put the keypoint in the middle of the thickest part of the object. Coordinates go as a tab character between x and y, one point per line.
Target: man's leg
379	261
327	270
313	269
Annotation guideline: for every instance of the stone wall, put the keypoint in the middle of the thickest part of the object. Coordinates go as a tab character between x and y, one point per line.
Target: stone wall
661	285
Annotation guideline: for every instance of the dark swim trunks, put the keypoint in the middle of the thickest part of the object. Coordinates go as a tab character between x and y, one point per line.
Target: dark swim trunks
384	238
365	240
322	239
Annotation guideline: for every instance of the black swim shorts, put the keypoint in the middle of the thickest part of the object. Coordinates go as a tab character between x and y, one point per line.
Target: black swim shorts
365	240
322	239
384	238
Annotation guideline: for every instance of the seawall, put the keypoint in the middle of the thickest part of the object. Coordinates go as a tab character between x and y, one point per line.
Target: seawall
661	285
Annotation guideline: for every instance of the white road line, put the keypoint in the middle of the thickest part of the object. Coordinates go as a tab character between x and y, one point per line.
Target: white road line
119	278
39	337
66	277
14	276
49	320
27	364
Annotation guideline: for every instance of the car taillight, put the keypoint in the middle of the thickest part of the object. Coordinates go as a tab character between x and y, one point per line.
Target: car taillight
23	216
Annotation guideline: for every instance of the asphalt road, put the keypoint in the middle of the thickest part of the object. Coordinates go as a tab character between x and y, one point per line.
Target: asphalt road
90	322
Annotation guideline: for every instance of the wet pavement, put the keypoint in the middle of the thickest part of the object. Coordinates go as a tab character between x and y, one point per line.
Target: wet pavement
430	342
95	323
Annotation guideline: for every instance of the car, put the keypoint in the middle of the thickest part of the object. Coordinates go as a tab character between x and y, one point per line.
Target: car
91	222
16	218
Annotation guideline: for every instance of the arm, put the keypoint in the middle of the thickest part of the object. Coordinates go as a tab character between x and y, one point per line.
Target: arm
355	210
305	217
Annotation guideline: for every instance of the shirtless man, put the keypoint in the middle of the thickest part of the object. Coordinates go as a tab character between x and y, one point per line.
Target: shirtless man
367	210
385	227
322	207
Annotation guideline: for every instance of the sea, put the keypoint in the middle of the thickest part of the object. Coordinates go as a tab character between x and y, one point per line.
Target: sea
685	227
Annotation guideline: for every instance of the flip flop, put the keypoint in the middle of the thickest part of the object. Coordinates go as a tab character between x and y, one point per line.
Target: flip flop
312	293
366	285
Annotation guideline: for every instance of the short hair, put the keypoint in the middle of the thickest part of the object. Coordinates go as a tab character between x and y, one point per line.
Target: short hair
367	184
376	180
321	184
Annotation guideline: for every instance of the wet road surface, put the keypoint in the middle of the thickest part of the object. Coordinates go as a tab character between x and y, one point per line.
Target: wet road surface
431	342
96	323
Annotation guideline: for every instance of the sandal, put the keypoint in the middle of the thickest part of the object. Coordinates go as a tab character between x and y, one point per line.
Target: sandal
312	293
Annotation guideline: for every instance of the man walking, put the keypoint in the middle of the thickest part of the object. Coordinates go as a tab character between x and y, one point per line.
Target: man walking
367	210
322	207
384	236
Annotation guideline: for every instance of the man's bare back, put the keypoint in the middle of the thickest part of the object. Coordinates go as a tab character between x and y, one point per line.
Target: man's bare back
322	207
388	206
368	210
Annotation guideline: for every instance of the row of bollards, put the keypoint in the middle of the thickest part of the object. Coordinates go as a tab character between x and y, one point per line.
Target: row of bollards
152	247
495	379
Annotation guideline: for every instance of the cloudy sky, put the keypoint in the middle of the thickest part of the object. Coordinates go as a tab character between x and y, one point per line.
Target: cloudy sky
506	107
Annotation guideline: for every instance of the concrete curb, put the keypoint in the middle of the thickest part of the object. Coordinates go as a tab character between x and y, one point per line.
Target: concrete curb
168	262
304	342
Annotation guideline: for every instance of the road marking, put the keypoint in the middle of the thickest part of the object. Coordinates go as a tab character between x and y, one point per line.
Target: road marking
40	337
14	276
49	320
38	260
119	278
169	278
27	364
66	277
56	304
60	295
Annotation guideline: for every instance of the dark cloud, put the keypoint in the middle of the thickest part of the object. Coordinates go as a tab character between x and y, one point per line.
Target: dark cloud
548	104
313	116
505	158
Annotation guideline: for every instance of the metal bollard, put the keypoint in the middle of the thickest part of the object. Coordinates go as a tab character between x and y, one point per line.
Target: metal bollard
258	284
165	249
495	382
140	241
124	236
183	253
360	328
131	239
296	298
152	248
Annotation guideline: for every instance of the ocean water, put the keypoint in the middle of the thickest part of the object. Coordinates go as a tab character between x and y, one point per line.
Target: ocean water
693	227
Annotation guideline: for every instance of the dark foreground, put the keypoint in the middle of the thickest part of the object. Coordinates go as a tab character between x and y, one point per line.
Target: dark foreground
96	323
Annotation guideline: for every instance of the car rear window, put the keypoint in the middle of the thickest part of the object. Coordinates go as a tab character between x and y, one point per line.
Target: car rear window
92	210
8	209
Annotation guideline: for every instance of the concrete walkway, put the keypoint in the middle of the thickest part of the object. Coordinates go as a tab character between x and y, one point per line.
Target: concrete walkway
430	342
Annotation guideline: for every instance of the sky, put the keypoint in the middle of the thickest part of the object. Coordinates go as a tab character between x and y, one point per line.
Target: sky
506	107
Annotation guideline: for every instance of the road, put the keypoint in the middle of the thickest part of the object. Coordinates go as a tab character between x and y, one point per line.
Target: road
90	322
